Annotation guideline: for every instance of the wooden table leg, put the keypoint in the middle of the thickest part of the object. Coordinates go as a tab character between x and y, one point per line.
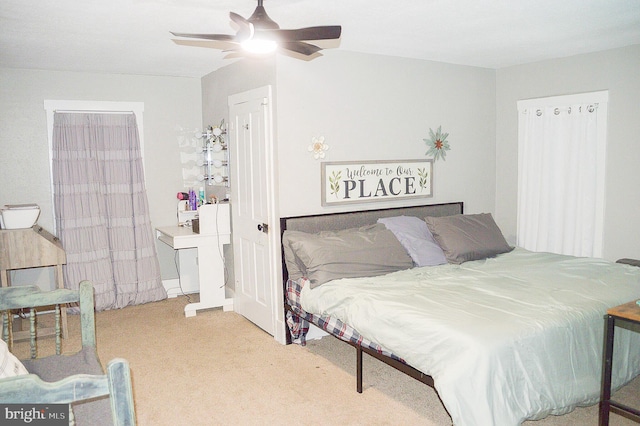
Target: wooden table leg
63	309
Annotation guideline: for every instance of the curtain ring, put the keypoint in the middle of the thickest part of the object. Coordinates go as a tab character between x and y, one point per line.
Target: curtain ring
590	108
538	113
569	110
556	111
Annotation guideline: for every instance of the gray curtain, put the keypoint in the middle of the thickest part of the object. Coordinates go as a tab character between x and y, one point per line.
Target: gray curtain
102	213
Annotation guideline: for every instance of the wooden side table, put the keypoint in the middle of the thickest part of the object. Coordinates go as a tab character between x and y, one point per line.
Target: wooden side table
27	248
628	312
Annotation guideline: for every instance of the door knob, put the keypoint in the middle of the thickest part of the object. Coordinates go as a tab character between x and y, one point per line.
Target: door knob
263	227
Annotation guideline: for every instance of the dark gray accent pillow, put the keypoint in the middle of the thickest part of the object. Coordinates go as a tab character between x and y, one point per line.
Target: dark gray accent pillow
468	237
350	253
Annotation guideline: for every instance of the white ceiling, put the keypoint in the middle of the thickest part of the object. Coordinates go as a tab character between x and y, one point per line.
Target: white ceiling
132	36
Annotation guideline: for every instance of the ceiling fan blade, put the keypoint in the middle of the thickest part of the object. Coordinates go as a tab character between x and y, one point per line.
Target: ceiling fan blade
209	44
310	33
238	19
218	37
300	47
259	29
245	27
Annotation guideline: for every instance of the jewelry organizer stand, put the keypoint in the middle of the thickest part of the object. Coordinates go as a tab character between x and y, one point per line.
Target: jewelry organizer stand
214	146
32	248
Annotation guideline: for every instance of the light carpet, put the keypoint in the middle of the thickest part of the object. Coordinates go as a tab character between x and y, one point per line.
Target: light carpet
217	368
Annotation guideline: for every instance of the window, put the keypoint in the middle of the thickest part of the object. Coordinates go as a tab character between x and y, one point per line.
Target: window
51	106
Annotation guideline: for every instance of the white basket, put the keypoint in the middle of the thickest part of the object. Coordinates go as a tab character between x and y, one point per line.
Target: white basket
19	216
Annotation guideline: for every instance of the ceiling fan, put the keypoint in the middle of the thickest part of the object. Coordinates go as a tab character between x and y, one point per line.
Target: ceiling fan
260	34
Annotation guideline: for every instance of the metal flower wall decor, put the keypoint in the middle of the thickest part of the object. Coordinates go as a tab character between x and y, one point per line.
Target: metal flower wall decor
437	143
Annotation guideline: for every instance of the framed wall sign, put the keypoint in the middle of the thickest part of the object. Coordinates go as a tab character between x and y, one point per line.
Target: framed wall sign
364	181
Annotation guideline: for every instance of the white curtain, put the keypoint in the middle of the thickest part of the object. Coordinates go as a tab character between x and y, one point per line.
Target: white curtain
101	208
560	179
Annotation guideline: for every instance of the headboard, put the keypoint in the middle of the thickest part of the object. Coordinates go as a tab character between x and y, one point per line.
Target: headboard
345	220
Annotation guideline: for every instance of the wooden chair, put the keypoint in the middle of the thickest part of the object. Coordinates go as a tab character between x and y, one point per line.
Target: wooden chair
96	398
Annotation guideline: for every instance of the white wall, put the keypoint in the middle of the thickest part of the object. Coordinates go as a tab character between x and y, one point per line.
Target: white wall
170	103
615	70
371	107
237	77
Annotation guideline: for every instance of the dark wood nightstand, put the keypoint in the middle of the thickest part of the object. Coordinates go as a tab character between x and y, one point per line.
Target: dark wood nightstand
628	312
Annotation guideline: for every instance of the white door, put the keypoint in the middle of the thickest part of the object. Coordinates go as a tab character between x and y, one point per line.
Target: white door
253	203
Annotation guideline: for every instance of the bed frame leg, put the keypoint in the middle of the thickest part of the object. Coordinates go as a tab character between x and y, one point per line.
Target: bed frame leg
359	368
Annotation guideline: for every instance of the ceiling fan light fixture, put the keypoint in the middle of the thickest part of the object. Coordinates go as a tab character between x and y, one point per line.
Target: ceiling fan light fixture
259	46
260	35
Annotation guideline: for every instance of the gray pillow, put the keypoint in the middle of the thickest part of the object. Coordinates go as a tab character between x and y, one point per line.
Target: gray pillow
468	237
414	235
357	252
295	268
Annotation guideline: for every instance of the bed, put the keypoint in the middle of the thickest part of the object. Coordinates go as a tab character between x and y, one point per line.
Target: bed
502	334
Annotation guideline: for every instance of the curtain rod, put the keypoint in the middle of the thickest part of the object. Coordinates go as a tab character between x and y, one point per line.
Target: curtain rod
86	111
557	110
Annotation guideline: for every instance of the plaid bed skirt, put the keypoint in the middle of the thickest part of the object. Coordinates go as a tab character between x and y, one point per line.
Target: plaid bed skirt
298	322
